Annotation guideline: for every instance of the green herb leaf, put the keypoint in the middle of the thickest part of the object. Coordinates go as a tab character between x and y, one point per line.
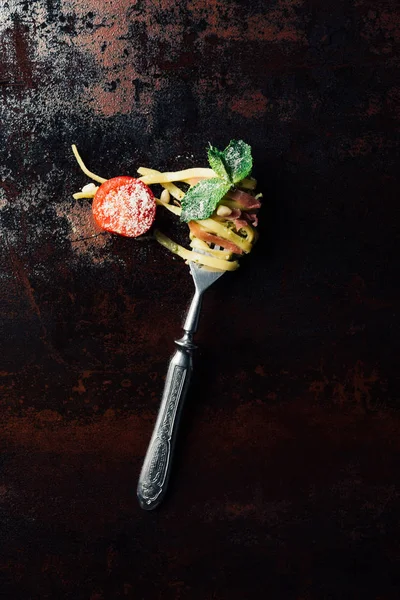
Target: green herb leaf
237	160
216	162
231	165
202	199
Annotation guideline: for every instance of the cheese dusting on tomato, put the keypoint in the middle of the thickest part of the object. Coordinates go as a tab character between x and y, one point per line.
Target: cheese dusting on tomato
124	205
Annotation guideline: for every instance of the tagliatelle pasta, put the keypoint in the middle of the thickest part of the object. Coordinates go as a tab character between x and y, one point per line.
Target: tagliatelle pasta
187	174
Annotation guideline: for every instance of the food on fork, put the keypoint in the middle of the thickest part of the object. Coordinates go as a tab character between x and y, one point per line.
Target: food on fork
218	203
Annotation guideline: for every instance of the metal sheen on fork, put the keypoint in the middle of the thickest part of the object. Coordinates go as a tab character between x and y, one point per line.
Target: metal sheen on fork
154	476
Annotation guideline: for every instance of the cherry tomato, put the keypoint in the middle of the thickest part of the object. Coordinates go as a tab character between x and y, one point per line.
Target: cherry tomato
124	205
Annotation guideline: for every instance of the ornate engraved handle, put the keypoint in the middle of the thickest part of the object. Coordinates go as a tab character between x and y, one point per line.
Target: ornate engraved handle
155	472
156	468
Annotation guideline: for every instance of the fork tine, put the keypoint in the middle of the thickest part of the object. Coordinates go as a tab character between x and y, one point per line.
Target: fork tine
203	278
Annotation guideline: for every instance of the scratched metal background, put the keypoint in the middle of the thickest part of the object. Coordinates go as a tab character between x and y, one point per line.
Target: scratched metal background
287	480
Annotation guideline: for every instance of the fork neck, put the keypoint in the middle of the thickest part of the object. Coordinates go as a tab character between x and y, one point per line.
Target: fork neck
192	318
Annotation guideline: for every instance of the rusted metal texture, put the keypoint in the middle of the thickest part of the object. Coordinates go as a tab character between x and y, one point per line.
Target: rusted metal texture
286	484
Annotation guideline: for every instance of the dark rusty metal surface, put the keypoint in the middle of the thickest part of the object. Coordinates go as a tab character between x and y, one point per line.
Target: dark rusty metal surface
287	479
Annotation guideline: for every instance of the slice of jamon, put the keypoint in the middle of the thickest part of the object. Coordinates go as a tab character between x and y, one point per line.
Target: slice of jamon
247	201
252	218
211	238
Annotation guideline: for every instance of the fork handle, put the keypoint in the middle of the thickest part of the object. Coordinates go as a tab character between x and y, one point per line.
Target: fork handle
154	476
156	468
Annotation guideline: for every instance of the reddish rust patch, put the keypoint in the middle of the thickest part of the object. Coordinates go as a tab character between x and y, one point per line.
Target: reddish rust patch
21	40
260	371
382	30
366	144
279	23
354	390
374	106
46	431
16	66
251	105
118	55
240	510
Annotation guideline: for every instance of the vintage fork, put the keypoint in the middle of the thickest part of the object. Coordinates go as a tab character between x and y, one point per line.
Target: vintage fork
156	468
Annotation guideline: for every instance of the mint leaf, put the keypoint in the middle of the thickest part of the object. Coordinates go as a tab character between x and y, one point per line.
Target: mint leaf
202	199
231	165
237	160
216	162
